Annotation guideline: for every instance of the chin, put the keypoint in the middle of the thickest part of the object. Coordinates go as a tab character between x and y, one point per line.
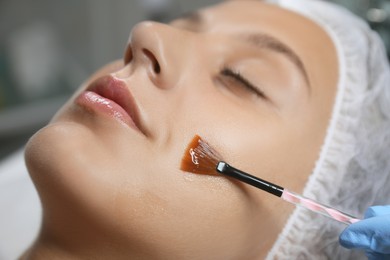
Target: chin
49	148
59	159
70	163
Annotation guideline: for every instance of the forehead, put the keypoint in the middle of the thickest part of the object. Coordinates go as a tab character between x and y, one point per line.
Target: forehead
248	12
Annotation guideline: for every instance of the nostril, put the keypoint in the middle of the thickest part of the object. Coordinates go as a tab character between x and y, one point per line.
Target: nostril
157	68
128	55
152	58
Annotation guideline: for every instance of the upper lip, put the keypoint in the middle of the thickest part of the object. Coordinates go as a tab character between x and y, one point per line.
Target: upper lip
116	90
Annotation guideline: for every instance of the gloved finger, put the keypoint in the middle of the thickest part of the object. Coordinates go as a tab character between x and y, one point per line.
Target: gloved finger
377	256
368	234
352	237
377	211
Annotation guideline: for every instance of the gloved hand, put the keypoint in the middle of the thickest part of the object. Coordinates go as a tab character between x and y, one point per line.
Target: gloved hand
372	234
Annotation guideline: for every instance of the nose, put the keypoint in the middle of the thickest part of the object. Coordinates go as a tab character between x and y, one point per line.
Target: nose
154	47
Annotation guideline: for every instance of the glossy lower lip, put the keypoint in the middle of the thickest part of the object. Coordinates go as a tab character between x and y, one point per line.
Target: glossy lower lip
104	106
111	96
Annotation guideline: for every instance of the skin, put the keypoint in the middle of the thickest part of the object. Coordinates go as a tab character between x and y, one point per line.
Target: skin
111	192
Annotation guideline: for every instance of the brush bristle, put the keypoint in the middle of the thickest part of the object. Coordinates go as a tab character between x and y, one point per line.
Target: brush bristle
200	157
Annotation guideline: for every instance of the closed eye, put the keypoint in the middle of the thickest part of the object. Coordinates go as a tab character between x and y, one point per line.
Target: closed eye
242	81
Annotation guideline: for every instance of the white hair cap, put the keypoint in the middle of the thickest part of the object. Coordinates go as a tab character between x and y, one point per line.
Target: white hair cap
353	169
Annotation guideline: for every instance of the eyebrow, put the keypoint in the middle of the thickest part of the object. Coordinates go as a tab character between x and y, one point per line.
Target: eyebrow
259	40
266	41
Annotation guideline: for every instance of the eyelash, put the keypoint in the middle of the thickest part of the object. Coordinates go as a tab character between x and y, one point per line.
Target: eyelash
226	71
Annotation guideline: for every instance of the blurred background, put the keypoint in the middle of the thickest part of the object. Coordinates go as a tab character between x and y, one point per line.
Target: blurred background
48	47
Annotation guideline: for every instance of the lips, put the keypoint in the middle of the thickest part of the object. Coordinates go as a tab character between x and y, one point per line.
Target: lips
111	96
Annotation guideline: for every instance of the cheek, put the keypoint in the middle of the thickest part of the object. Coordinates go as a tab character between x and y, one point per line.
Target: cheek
275	152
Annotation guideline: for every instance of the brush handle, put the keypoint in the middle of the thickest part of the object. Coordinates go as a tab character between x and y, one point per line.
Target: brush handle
230	171
318	207
289	196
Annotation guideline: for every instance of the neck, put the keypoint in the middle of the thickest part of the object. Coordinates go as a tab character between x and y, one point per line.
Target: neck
46	250
68	243
79	246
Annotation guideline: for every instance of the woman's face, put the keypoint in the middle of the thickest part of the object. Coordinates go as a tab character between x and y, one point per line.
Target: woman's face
255	81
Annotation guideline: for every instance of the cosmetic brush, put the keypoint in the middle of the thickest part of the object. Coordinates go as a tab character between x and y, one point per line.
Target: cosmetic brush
201	158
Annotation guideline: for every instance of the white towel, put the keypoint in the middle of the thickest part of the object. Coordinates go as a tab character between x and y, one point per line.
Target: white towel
20	209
